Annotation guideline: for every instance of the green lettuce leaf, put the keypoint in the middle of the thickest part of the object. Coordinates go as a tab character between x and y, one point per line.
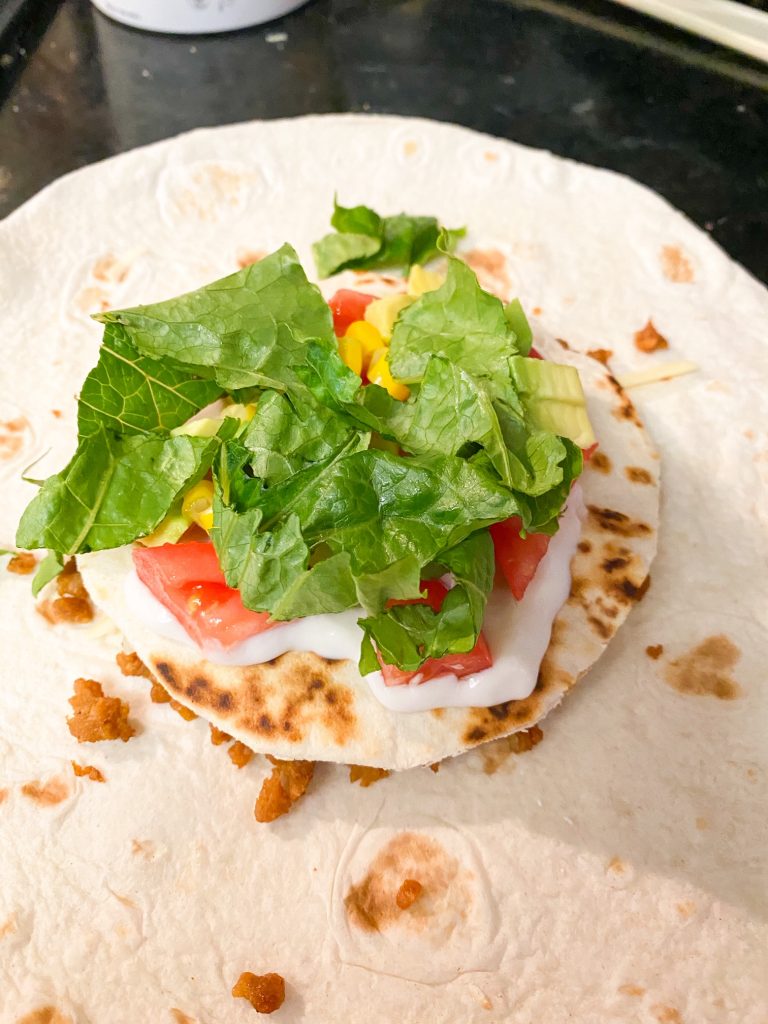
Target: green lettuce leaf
248	329
365	241
134	394
285	436
408	635
48	570
458	321
114	490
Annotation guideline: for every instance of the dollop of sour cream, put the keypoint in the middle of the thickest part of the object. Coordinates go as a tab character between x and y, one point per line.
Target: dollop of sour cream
518	634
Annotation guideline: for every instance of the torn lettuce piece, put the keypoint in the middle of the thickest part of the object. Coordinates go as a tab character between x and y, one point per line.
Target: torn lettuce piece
365	241
114	490
408	635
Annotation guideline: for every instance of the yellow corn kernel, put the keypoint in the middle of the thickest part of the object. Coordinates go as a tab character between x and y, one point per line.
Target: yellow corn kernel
351	351
382	313
421	280
380	374
240	412
369	337
197	506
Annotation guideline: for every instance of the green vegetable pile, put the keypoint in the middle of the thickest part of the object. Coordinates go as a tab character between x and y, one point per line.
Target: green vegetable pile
334	495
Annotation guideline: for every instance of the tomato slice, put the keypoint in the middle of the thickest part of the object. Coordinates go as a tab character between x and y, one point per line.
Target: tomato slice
518	557
589	452
347	306
459	665
188	581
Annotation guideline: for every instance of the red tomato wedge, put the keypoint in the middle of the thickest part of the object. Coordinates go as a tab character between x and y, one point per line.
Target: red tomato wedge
589	452
518	558
188	581
347	306
458	664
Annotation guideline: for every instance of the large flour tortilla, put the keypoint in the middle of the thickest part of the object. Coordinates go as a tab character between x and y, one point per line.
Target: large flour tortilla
615	873
304	706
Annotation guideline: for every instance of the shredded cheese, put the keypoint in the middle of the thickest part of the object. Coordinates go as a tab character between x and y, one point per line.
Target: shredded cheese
663	371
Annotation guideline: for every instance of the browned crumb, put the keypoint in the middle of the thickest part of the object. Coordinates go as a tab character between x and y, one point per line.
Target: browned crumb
649	340
654	651
408	893
527	739
602	355
158	693
288	781
265	992
132	665
218	736
366	776
73	605
57	413
87	770
239	754
97	717
66	609
185	713
435	767
69	582
22	563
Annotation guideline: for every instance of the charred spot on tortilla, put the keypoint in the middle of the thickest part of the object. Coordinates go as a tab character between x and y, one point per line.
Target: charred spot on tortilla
675	265
654	651
600	462
638	475
629	989
45	1015
179	1017
617	522
563	344
490	723
4	794
46	794
705	670
584	546
666	1014
602	355
648	339
371	904
166	672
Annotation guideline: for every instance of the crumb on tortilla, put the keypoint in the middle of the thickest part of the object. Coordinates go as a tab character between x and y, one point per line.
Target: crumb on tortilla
73	605
97	717
435	767
525	740
88	771
218	736
408	893
239	754
654	651
158	693
288	781
366	776
185	713
22	563
130	664
648	339
265	992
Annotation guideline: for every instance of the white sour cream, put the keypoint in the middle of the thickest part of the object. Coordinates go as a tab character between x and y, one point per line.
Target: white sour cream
517	633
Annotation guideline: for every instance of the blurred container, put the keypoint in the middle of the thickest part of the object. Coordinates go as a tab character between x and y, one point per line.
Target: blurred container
195	17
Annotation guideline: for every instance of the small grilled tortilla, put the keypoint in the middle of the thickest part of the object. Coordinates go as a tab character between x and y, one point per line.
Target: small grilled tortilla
304	706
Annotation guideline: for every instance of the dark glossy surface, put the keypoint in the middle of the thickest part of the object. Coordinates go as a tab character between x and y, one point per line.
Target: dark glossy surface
586	79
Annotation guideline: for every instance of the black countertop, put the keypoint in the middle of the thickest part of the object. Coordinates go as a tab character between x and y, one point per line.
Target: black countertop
586	79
